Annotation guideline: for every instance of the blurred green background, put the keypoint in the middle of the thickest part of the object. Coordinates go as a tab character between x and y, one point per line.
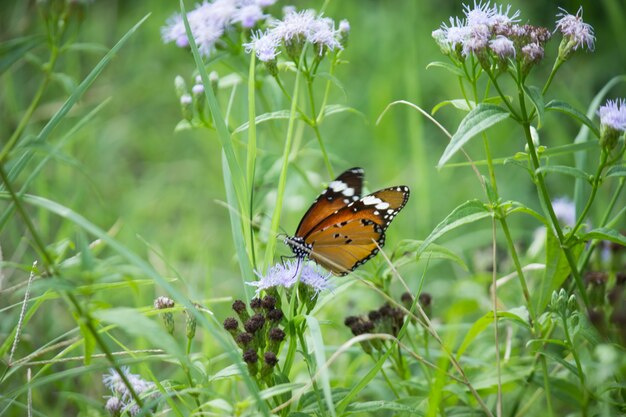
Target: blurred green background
161	190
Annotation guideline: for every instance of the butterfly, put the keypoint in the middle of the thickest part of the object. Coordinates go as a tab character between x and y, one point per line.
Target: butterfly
342	230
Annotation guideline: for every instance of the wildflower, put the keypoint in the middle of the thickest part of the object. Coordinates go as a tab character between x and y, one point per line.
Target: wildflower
476	40
210	20
185	99
114	382
197	89
532	53
248	15
265	46
255	323
232	326
576	33
268	302
244	339
502	46
114	406
275	315
441	39
251	358
286	275
256	305
612	122
344	27
565	211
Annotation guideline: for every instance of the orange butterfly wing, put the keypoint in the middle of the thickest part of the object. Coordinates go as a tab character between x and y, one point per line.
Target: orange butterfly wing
346	188
351	235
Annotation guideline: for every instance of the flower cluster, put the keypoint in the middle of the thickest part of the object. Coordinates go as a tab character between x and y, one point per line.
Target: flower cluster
121	401
287	274
259	335
209	21
294	31
386	319
491	31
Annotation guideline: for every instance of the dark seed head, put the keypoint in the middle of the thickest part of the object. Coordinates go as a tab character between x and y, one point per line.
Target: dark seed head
270	358
406	298
425	299
250	356
239	306
255	323
276	334
230	324
275	315
256	304
374	315
350	321
268	302
244	339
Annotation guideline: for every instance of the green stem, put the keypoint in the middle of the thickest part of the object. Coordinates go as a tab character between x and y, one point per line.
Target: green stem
493	79
555	68
543	194
546	384
594	189
520	274
579	367
315	126
251	152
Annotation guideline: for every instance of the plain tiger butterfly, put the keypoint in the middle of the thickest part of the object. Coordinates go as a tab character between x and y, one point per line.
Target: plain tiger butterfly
342	230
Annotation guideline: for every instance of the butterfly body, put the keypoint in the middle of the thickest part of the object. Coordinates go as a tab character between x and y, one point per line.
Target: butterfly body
342	230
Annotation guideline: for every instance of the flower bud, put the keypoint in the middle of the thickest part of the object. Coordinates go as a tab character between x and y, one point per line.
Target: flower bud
240	308
190	324
161	303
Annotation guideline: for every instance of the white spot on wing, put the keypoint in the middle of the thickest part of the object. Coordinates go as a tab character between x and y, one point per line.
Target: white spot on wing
337	186
370	200
348	192
382	205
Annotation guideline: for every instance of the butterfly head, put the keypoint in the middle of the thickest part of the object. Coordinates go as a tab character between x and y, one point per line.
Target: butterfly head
298	246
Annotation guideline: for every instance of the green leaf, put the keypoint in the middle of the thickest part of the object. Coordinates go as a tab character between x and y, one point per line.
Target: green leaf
136	324
616	171
567	365
468	212
339	108
535	96
409	247
482	323
604	233
478	120
460	104
13	50
65	81
563	107
89	342
265	117
565	170
556	271
320	360
570	148
373	406
452	68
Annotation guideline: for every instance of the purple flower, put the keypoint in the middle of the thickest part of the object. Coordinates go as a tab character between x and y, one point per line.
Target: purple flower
114	382
286	275
575	31
565	211
248	15
210	20
613	114
502	46
477	39
532	52
265	45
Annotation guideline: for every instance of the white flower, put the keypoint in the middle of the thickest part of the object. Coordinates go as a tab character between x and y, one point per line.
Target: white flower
565	211
480	14
286	275
502	46
477	39
532	52
116	384
575	30
186	99
344	26
613	114
265	45
248	15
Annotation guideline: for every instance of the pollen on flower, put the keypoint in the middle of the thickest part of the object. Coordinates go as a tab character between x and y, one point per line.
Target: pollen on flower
575	31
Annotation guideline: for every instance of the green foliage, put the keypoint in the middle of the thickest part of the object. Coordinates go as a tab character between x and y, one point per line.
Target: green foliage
144	186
